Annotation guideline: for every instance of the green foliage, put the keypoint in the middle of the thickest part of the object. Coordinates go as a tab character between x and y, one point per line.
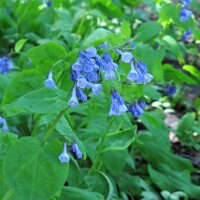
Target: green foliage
122	157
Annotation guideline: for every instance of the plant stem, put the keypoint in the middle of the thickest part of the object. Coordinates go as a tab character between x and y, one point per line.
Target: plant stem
53	125
35	128
7	195
98	152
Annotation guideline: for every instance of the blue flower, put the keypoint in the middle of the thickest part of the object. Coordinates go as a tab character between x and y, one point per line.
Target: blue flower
4	127
76	150
104	45
126	57
185	14
73	100
77	66
49	82
110	74
185	2
82	83
28	62
5	65
117	106
1	120
91	52
49	3
64	157
186	35
132	44
81	95
96	89
92	77
142	104
170	90
107	63
141	66
132	76
136	109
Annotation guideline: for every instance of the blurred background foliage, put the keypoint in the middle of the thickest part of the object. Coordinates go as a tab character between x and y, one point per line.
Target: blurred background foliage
153	157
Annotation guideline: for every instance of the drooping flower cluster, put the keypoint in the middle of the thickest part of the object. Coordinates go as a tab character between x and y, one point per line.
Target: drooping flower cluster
186	35
118	105
4	124
137	108
185	13
64	157
170	90
5	65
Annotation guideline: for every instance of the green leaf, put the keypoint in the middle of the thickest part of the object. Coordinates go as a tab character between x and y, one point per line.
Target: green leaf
34	171
151	93
46	55
171	73
118	157
98	36
73	193
148	30
192	70
172	180
44	100
5	141
119	140
22	84
19	45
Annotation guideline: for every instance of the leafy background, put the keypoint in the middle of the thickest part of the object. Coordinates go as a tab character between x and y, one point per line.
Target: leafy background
153	157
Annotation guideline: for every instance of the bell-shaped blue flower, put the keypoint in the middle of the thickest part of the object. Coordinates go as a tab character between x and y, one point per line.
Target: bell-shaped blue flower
91	52
96	89
92	77
136	109
81	95
132	76
4	127
126	57
64	157
170	90
109	74
186	35
5	65
73	100
49	82
117	106
104	45
82	83
185	14
185	3
76	151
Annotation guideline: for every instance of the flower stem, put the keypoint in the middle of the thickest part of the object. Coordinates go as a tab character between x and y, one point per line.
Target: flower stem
35	128
53	125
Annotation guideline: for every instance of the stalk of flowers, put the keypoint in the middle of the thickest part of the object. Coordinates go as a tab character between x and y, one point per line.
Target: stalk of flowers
5	65
185	13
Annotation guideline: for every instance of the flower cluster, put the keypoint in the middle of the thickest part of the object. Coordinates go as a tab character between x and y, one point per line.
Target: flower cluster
137	108
5	65
170	90
186	35
86	73
64	157
184	12
4	124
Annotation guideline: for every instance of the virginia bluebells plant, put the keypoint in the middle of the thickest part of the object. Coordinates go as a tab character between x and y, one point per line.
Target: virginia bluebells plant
4	124
170	90
186	35
118	105
137	108
126	57
185	3
64	157
49	82
185	14
76	150
5	65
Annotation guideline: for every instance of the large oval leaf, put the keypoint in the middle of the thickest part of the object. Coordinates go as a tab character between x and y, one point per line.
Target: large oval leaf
34	171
